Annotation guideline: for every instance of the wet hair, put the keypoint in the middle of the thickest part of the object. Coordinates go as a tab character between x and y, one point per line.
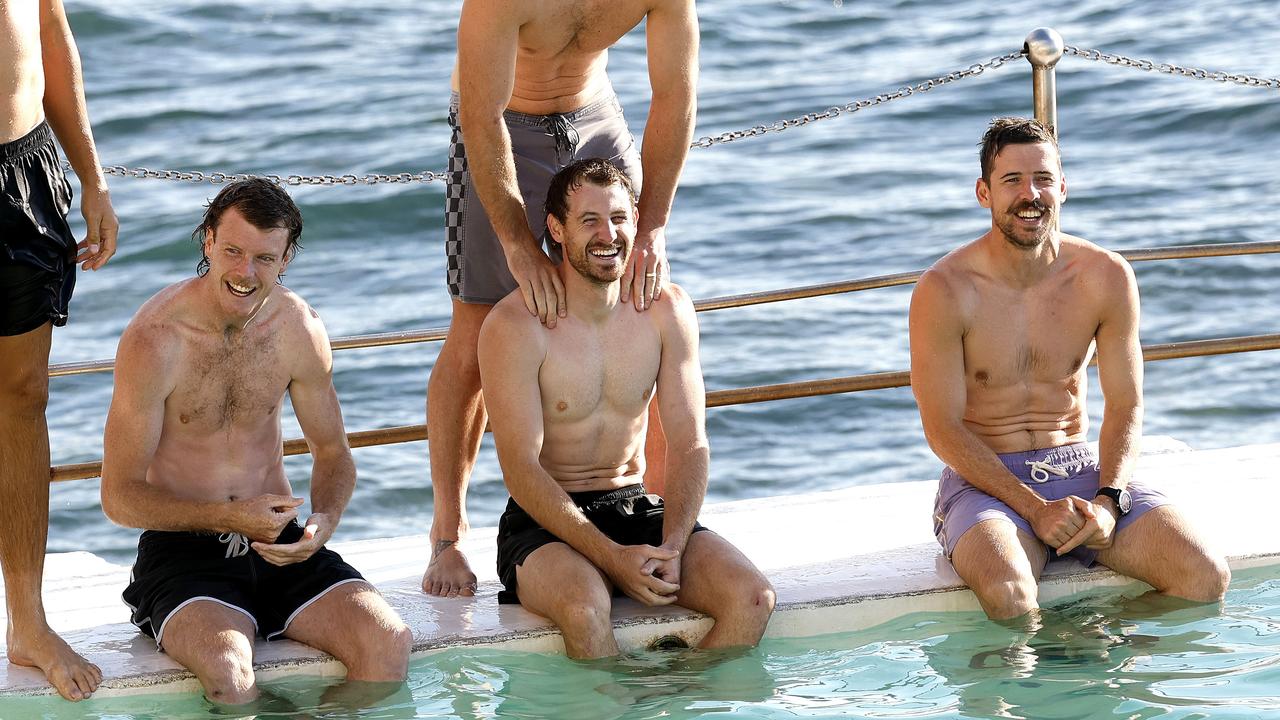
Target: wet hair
597	171
261	202
1005	131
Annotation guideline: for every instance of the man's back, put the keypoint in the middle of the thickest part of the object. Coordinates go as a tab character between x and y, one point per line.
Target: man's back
22	73
1026	346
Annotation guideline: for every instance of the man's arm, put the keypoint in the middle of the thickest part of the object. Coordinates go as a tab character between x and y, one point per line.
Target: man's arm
513	398
1120	375
938	382
333	471
682	405
64	106
488	36
144	378
671	32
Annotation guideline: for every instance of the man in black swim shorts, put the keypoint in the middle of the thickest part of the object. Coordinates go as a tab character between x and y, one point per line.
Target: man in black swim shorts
39	79
193	456
569	412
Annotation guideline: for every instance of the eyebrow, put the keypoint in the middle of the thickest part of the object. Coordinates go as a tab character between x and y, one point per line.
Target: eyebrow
1037	173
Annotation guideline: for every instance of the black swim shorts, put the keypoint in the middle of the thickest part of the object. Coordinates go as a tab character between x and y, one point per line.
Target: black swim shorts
175	569
626	516
37	250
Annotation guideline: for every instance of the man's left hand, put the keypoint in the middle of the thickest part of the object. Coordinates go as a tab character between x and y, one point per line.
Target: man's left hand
666	570
315	533
99	242
1098	530
647	269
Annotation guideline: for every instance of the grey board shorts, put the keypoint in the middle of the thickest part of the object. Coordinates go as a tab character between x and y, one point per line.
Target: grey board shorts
1054	473
542	145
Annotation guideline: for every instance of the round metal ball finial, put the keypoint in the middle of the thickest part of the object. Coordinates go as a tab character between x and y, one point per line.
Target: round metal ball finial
1044	47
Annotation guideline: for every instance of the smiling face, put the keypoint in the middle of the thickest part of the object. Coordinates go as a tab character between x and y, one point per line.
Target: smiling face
244	262
598	231
1024	192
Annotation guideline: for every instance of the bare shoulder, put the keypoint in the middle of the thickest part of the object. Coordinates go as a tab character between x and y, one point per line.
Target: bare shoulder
152	343
511	322
1107	268
949	281
505	12
305	338
674	308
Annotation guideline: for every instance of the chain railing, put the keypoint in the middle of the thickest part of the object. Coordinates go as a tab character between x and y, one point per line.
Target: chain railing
1171	69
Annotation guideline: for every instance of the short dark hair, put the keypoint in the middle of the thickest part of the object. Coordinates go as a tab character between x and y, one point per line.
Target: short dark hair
597	171
1005	131
263	203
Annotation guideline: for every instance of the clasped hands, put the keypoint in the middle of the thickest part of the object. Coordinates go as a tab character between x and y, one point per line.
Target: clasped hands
646	573
1073	521
263	518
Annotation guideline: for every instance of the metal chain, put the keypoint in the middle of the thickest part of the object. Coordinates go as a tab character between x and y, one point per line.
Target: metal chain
725	137
856	105
1171	69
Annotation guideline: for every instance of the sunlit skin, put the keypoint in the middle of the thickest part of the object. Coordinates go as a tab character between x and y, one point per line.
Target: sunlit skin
539	58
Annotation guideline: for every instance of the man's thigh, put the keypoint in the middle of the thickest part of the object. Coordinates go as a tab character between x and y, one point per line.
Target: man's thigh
712	571
555	577
200	634
1159	548
996	552
341	617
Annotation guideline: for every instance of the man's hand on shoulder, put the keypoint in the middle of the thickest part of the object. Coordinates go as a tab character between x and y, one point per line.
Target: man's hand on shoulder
315	533
262	518
634	570
540	285
647	271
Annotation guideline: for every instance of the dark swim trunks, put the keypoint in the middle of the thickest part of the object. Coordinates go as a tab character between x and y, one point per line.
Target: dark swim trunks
37	250
541	145
626	516
1054	473
175	569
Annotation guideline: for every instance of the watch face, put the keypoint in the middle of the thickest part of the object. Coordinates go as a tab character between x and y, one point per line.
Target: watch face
1124	501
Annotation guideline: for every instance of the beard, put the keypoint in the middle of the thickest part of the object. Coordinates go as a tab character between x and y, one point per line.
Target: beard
1023	238
581	262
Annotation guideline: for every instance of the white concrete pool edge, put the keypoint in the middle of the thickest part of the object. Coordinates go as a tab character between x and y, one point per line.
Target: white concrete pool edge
840	560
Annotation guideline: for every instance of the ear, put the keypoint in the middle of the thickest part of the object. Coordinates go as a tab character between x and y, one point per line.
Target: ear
556	228
1062	189
983	191
208	240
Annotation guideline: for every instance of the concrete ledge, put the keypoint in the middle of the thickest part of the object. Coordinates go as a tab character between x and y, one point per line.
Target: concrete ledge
841	560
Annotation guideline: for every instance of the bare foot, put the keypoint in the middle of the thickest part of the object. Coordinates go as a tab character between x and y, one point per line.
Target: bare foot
71	675
448	574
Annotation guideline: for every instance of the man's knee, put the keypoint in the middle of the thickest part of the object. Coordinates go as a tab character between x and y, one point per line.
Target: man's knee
753	599
24	390
381	655
584	611
228	678
1206	580
1006	599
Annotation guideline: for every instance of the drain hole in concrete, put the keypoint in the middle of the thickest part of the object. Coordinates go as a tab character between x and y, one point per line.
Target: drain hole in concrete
669	642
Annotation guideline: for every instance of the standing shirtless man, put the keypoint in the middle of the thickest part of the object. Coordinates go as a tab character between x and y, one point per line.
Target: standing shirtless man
531	95
193	455
1002	330
39	79
569	413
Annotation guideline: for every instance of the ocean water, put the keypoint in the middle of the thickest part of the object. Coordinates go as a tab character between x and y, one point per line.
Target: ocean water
316	86
1094	656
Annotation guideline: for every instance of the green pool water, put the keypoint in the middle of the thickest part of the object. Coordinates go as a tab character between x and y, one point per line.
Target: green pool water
1098	656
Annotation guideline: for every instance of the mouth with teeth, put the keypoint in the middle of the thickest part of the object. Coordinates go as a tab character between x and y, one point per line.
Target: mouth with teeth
606	252
1031	213
240	290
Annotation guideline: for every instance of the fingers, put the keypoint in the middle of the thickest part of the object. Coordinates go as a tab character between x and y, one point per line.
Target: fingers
1082	535
562	307
526	294
628	276
106	243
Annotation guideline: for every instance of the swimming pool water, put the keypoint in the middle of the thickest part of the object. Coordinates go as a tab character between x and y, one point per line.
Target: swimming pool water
1090	657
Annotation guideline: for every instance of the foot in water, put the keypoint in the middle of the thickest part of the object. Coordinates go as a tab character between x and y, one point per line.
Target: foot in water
70	674
448	574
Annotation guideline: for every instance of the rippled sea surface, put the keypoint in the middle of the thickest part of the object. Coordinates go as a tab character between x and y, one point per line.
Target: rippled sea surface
321	87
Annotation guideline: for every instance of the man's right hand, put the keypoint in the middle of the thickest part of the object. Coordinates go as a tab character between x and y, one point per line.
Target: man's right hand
448	574
264	517
540	284
1057	521
631	570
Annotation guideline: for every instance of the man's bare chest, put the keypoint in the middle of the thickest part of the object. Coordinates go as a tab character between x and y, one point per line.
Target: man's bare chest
222	387
1028	338
613	376
568	27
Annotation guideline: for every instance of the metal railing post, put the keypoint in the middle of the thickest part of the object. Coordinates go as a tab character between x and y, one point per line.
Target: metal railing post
1044	49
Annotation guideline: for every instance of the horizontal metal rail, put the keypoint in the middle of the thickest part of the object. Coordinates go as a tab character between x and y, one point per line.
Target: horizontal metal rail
758	393
405	337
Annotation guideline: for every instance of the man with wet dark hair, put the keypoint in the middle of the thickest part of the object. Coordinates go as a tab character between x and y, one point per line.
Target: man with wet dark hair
568	414
1002	330
41	97
193	456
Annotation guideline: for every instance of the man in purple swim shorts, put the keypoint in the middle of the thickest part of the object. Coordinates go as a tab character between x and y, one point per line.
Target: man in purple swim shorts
1002	331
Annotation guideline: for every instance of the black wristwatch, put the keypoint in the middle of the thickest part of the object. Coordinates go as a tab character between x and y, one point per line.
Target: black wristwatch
1120	497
